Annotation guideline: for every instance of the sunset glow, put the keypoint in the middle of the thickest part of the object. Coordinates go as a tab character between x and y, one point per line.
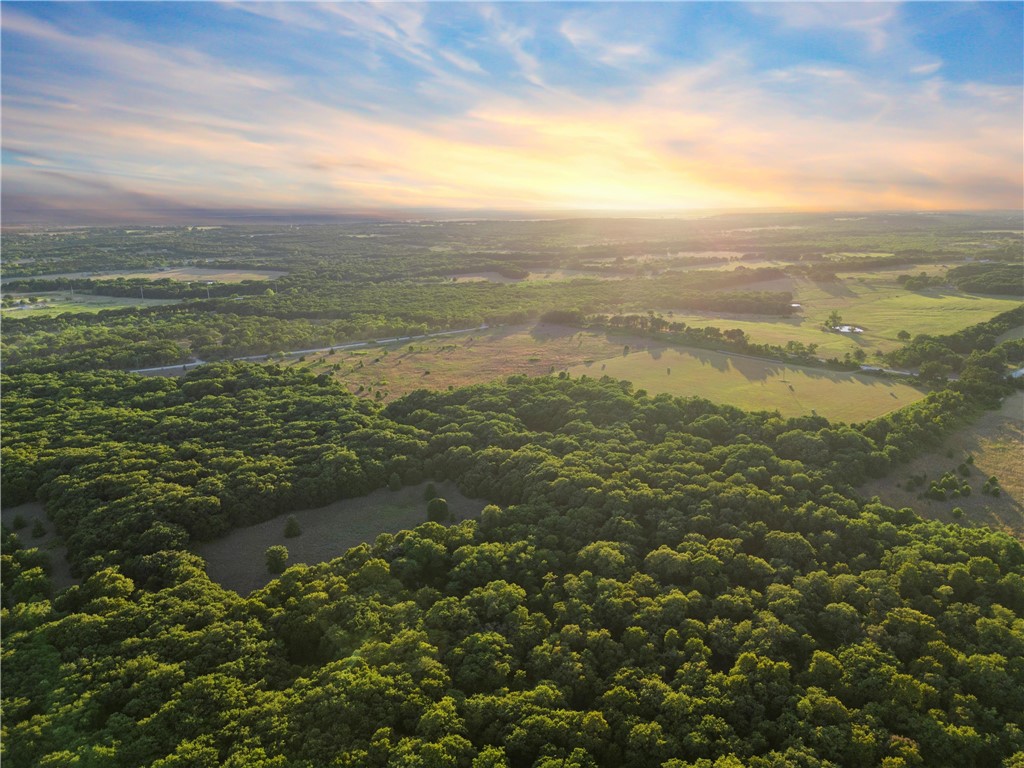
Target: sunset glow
511	106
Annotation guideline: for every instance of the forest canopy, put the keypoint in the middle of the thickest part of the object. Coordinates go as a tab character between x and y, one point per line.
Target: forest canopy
656	581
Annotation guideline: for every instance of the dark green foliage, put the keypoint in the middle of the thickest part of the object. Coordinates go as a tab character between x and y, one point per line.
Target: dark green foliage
658	581
437	510
166	459
666	580
964	348
394	482
430	492
276	557
292	527
992	278
38	529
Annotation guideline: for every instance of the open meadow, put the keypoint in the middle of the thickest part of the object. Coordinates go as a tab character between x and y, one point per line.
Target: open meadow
873	301
755	384
459	360
236	560
994	440
179	274
196	274
51	303
482	356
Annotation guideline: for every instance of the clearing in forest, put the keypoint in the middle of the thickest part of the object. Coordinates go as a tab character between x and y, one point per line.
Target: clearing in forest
482	356
58	302
874	301
755	384
236	560
994	440
462	359
198	274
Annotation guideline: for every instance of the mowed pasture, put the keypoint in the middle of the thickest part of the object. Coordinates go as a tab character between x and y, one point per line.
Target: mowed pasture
994	440
58	302
482	356
874	301
463	359
178	274
236	560
755	384
197	274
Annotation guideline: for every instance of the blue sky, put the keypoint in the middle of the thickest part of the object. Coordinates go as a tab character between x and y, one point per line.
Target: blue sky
618	106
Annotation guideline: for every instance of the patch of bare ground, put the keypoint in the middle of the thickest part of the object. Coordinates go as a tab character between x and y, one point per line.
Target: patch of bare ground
33	513
236	561
457	361
454	361
996	441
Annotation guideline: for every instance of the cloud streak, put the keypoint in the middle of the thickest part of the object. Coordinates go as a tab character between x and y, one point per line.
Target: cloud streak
170	123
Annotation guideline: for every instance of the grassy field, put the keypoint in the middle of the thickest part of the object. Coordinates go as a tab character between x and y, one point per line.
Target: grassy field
236	560
195	274
873	301
995	441
456	361
56	302
497	353
755	384
1010	335
180	274
553	274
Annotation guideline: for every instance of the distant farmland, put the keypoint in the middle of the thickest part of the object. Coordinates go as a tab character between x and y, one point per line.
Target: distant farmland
733	379
179	274
755	384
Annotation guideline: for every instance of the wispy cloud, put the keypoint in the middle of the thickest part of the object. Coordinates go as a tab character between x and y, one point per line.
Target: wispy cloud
598	43
512	38
145	121
872	22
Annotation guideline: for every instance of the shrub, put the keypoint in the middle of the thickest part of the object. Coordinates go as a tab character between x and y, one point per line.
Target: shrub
277	558
292	527
437	511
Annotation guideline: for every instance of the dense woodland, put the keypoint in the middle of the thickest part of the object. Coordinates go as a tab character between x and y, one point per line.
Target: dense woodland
658	581
655	581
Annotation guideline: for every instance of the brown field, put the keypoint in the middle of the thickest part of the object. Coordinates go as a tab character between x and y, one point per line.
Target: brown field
236	561
180	274
460	360
195	274
996	441
551	274
495	354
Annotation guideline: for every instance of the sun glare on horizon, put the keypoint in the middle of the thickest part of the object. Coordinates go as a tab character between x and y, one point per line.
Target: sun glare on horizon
161	106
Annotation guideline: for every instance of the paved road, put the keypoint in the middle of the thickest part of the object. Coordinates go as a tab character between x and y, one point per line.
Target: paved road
333	348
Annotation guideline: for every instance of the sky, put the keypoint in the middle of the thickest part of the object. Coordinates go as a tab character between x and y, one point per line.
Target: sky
163	106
